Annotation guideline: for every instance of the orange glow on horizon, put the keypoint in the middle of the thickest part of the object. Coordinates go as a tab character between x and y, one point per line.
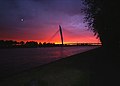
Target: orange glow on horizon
57	40
65	42
83	37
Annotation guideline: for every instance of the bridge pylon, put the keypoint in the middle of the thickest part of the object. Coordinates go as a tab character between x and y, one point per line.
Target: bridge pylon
61	34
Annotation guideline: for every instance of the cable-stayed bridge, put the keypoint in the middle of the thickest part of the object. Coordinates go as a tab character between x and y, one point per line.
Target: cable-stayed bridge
59	31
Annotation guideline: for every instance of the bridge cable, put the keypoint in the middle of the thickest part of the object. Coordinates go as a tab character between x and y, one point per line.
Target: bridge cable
53	35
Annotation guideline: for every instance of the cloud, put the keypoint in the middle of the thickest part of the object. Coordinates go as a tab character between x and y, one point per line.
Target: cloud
32	10
40	16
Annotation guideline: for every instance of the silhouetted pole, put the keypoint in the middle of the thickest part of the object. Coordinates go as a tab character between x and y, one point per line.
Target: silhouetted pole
61	34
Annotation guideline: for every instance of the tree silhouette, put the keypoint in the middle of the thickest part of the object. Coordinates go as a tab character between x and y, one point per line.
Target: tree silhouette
2	43
31	44
102	17
8	43
22	43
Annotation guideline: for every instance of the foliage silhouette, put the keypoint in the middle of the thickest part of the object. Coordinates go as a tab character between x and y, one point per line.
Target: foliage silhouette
103	18
22	44
33	44
8	43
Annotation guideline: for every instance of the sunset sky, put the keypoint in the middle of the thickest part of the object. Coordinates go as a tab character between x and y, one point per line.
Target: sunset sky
38	20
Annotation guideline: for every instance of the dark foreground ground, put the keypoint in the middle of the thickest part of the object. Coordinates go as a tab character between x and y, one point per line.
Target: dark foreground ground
98	67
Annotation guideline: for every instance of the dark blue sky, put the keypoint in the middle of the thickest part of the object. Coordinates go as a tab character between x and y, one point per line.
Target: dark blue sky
39	20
